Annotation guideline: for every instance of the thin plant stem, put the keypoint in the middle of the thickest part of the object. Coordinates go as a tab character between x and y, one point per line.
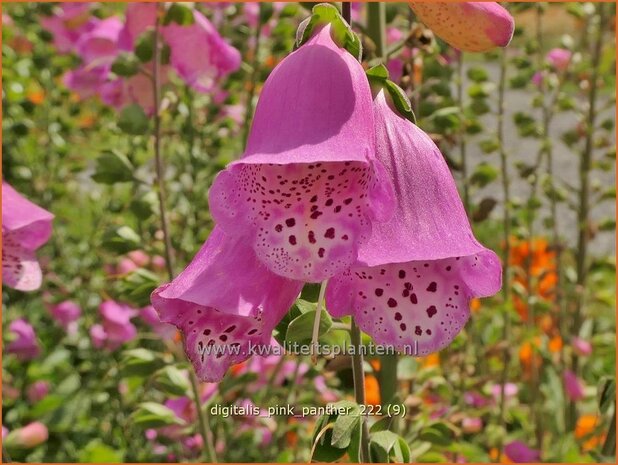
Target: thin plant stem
346	12
376	26
462	134
209	452
506	250
254	76
316	323
585	165
358	375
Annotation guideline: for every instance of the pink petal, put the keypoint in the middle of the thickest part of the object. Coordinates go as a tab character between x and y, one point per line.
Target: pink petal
31	223
222	302
468	26
199	54
416	275
139	18
519	452
573	386
101	43
24	345
308	185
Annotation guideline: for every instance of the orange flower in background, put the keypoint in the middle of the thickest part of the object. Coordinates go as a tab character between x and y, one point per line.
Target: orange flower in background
475	305
586	425
555	344
36	96
372	390
431	360
536	258
527	352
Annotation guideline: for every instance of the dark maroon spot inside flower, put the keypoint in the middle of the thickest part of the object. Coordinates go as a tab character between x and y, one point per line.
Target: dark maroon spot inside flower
314	199
398	316
344	237
402	274
433	286
418	331
392	303
292	240
428	331
347	201
321	252
379	292
253	331
403	326
312	237
223	337
405	293
230	329
337	208
330	233
279	228
206	332
315	215
413	299
431	311
448	268
329	202
290	222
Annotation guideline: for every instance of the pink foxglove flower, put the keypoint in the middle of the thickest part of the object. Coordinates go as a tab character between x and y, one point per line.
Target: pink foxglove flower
29	436
581	346
25	228
559	58
70	21
37	391
24	345
99	46
519	452
140	17
66	315
150	316
307	187
199	54
116	328
415	277
467	26
221	317
573	386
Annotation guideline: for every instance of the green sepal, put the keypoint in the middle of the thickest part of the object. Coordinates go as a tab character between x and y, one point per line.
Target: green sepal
378	77
341	32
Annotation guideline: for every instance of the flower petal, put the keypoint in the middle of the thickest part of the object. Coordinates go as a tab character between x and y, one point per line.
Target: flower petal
307	187
468	26
222	302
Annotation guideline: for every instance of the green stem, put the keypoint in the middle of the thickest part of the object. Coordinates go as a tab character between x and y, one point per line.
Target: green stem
388	381
358	375
462	134
585	165
315	335
609	447
209	449
254	76
376	26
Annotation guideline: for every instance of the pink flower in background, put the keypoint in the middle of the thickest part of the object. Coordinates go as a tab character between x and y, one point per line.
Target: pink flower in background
139	17
24	343
86	81
510	390
467	26
581	347
414	278
37	391
537	78
151	318
70	21
116	328
559	58
99	46
476	400
199	54
139	257
471	425
66	315
25	228
519	452
27	437
573	386
303	203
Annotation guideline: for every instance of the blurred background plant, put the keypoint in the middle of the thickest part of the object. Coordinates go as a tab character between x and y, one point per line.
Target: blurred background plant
529	135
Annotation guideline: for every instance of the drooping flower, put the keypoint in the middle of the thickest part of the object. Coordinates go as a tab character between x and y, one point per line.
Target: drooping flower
139	17
221	318
150	316
27	437
25	228
467	26
519	452
573	386
199	54
308	185
559	58
116	328
66	314
414	278
37	391
69	22
99	45
24	345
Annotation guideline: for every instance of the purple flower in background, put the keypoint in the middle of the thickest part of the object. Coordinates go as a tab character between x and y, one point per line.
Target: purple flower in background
467	26
150	316
510	390
25	228
116	328
199	54
519	452
581	347
37	391
24	344
308	185
476	400
414	278
70	21
559	58
86	81
573	386
66	315
99	46
98	336
139	17
219	316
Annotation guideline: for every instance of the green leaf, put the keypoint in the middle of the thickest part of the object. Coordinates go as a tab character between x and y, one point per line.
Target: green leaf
97	452
301	328
112	167
144	206
341	32
137	286
606	393
133	120
172	381
153	415
121	239
483	174
139	362
345	426
144	46
179	14
126	65
477	74
378	76
386	445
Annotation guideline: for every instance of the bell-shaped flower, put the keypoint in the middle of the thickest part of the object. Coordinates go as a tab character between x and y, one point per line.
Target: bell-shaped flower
226	303
307	187
68	23
100	45
116	328
25	228
140	16
519	452
23	344
414	279
467	26
199	54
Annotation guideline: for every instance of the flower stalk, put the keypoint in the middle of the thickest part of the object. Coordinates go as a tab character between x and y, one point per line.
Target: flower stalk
359	387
